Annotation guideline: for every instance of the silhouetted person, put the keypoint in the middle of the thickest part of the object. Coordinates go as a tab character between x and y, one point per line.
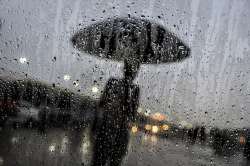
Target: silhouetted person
190	134
195	134
220	138
118	105
203	134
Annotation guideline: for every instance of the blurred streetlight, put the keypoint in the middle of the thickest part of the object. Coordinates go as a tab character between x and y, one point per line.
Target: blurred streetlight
95	89
165	127
148	127
159	116
66	77
52	148
23	60
155	129
134	129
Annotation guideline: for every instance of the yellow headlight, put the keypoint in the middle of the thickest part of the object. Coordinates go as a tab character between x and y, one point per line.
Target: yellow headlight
165	127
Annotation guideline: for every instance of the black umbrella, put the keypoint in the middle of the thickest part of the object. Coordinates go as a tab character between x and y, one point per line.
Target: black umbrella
131	39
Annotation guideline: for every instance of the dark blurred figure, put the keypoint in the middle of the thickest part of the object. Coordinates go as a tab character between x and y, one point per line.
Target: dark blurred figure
224	142
217	140
42	116
195	134
64	106
9	96
190	134
247	145
118	105
184	132
203	136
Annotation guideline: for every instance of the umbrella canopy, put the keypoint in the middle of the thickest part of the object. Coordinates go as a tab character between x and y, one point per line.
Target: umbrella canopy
131	39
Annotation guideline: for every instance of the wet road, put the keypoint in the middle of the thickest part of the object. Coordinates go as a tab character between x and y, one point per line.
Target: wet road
64	147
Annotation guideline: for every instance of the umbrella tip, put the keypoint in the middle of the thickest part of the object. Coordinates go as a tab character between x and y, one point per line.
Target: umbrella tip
183	52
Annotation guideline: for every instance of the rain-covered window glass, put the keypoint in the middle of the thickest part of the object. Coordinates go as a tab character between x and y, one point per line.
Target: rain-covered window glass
124	82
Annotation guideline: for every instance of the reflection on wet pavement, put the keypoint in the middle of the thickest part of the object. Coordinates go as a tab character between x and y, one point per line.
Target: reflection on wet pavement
56	147
59	147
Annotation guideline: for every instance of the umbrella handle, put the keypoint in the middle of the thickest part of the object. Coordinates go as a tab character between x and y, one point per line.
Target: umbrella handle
131	69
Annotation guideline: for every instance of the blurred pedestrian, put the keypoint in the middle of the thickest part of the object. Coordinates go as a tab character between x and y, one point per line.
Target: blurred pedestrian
118	104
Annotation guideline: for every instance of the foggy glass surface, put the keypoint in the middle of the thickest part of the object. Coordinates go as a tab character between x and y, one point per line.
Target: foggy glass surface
190	112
